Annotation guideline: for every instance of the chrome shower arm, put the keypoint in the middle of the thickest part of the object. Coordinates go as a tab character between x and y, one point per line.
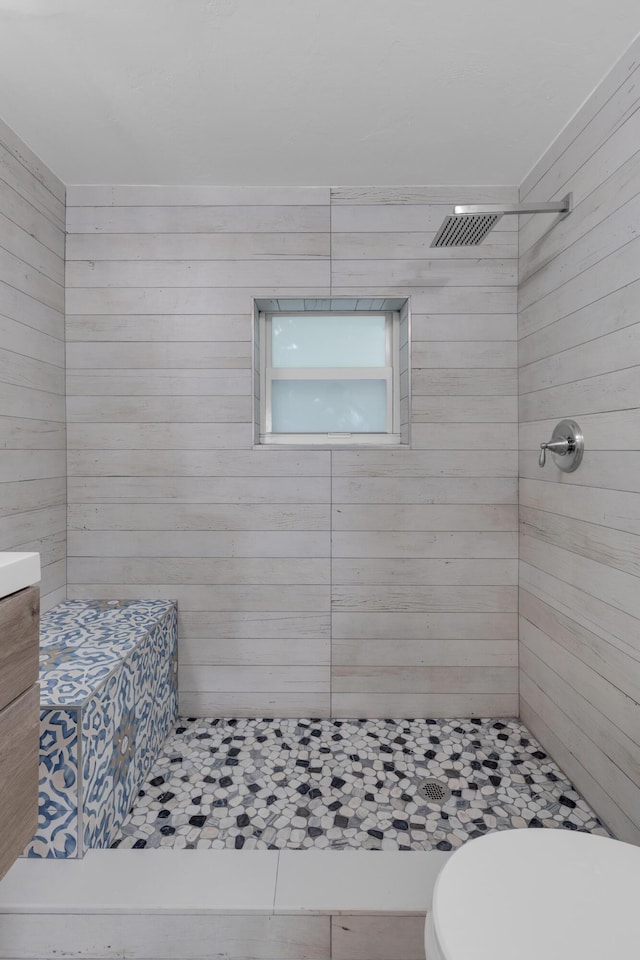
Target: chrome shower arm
556	206
471	222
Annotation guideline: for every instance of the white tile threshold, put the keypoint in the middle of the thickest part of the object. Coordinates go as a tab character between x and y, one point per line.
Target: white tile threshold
224	882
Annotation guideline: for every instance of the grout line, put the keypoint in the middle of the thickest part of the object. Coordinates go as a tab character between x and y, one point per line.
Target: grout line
330	244
66	414
331	583
518	431
330	916
275	886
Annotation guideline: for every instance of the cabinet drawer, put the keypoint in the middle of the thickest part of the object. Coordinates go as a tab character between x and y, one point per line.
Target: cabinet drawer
19	748
19	643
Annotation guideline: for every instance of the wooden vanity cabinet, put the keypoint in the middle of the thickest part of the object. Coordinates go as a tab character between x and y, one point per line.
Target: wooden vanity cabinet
19	722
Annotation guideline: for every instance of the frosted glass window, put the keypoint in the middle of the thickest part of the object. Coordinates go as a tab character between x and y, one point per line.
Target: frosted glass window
329	341
329	406
328	377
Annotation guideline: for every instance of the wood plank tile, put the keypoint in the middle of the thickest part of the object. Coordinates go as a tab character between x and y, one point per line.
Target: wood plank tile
122	195
368	653
216	409
157	355
467	326
174	328
425	572
440	354
255	653
422	272
232	571
477	625
196	273
377	938
389	599
228	598
464	436
197	246
106	301
198	543
416	245
278	678
200	218
191	490
604	712
255	704
162	383
405	545
168	937
421	195
198	463
252	518
416	463
160	436
616	665
424	705
255	625
437	680
447	409
428	490
444	518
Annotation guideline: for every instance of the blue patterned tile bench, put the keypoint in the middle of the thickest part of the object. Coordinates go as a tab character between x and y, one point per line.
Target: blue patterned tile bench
108	698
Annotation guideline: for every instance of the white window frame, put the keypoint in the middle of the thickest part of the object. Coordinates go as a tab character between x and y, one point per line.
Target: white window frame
390	372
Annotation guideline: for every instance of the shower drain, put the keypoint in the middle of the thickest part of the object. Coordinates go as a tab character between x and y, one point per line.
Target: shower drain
434	790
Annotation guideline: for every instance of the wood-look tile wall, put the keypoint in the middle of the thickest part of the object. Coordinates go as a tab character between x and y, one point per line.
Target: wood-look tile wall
179	936
32	378
366	582
580	544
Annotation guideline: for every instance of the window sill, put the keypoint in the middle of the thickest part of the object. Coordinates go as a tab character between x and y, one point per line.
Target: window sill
331	446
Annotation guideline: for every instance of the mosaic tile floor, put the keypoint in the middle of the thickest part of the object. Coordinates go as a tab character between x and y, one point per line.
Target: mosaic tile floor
274	784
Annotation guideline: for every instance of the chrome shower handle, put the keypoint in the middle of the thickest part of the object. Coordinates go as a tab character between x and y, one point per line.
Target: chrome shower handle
566	446
560	447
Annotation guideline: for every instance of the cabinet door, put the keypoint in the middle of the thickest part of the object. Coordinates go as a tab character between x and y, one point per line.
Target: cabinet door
19	747
19	643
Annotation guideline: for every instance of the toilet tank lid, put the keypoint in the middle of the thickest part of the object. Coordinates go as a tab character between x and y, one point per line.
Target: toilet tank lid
529	894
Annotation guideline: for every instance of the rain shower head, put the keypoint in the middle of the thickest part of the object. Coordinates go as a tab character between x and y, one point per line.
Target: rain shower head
470	223
465	229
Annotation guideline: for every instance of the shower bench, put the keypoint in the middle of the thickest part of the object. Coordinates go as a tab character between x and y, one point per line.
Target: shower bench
108	698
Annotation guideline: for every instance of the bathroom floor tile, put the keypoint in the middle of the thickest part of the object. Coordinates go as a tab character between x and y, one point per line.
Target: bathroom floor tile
347	784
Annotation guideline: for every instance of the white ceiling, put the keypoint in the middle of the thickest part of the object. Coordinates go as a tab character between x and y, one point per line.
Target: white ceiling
301	91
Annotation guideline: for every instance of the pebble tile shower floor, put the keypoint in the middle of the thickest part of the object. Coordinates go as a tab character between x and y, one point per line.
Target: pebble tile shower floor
341	784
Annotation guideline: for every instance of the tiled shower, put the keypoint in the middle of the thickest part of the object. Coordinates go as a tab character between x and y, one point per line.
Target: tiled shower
330	584
389	785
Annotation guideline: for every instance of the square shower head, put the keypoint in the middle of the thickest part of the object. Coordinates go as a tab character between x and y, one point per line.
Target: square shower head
465	229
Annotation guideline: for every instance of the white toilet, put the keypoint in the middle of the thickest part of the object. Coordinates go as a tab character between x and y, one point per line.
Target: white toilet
547	894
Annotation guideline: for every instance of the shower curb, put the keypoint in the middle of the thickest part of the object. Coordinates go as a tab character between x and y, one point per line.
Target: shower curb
173	905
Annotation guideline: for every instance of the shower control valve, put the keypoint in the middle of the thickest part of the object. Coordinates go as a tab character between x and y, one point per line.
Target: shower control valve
566	446
560	447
